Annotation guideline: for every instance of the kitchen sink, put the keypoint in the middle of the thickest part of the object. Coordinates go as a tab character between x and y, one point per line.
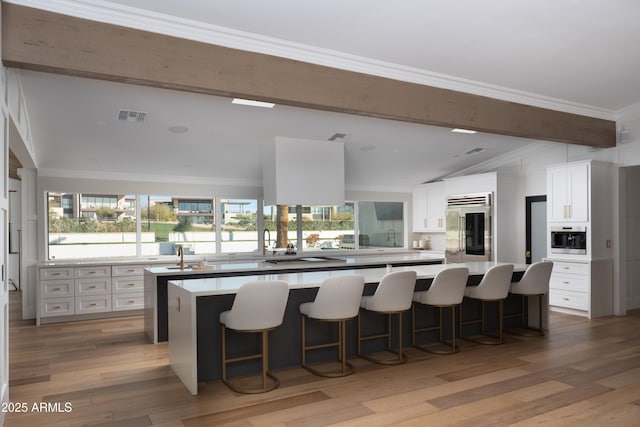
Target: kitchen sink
302	260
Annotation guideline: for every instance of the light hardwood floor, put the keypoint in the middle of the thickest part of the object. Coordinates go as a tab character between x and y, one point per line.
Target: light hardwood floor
584	373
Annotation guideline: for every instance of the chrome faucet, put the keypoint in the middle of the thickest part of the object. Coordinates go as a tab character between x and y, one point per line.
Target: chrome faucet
391	230
181	255
265	245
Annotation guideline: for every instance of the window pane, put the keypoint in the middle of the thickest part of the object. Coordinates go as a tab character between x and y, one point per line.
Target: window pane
169	221
381	224
281	221
239	225
91	226
328	227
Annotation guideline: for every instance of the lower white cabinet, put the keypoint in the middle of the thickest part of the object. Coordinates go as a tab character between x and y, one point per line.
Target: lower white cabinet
51	307
93	304
583	288
127	301
89	290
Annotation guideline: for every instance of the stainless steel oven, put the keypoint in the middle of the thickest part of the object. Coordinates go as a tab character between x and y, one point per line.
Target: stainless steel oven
468	228
569	240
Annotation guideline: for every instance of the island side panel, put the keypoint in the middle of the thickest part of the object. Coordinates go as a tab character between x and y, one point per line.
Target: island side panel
183	354
150	307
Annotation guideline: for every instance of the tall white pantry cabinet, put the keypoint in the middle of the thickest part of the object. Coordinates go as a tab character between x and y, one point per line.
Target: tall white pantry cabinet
580	194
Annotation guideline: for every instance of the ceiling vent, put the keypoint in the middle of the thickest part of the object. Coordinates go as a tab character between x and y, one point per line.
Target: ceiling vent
132	116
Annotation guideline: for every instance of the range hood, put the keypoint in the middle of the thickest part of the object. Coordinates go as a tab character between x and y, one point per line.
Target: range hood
303	172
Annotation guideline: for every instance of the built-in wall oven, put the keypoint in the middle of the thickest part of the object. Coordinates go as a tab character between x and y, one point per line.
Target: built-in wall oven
468	228
569	240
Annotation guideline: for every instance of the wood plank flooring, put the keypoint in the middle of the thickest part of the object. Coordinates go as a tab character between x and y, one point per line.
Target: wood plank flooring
584	373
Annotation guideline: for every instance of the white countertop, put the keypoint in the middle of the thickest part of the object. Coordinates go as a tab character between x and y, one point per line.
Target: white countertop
288	263
311	279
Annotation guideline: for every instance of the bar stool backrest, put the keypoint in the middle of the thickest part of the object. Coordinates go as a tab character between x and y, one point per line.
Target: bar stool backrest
535	280
258	305
447	288
394	292
338	298
495	283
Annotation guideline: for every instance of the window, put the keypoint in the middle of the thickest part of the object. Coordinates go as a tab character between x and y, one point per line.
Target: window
381	224
238	225
100	226
281	226
328	227
171	221
90	225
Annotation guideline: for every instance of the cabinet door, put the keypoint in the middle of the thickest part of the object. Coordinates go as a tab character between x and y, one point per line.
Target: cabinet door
578	193
557	194
568	193
436	206
419	208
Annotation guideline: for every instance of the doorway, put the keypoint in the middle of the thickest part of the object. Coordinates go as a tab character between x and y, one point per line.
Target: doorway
536	228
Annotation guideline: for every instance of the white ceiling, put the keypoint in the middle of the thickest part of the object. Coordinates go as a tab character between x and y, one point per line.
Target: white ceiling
577	55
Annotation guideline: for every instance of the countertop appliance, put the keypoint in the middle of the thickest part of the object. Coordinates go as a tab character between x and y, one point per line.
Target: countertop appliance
569	240
468	228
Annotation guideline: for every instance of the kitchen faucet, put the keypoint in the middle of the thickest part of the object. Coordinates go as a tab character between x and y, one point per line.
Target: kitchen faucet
265	245
181	255
391	230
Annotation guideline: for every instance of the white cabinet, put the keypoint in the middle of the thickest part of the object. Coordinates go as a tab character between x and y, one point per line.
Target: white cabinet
100	290
429	206
584	288
419	208
127	287
568	191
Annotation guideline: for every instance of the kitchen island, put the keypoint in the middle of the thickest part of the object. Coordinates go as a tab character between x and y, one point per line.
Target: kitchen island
156	278
194	306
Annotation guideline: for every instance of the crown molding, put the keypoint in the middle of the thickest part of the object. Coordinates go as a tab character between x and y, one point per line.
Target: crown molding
632	112
117	14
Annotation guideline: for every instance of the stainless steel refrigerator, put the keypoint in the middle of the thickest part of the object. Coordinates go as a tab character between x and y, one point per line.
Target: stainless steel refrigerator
468	228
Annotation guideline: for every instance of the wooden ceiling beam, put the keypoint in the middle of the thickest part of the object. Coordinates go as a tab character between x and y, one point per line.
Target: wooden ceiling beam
39	40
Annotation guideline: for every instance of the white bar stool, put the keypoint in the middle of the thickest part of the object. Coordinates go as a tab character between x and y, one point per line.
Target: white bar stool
392	296
337	300
258	307
446	290
494	286
534	282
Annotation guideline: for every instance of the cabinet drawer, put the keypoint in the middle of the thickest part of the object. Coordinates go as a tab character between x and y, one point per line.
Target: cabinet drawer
56	288
56	273
98	286
127	284
56	307
570	268
127	301
568	282
568	299
93	304
100	271
128	270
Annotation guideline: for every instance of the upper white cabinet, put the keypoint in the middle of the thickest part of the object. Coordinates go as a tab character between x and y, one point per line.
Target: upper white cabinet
429	206
568	192
419	205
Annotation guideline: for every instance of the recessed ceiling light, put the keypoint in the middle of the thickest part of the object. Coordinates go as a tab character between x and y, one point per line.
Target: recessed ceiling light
252	103
178	129
468	131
